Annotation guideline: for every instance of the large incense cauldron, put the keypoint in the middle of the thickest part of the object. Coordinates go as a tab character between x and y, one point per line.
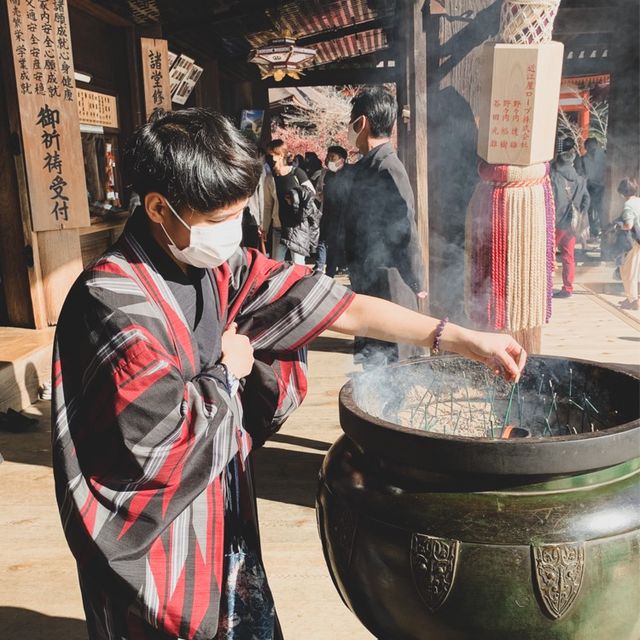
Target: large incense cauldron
437	523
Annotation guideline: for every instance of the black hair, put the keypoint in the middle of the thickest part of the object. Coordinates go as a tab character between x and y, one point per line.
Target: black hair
194	157
628	187
278	144
380	107
590	141
567	144
338	150
312	163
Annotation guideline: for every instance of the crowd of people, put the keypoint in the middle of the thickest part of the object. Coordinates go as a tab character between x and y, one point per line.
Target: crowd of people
360	216
578	183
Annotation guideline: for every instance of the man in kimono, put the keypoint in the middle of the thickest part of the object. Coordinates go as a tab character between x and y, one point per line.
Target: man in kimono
177	352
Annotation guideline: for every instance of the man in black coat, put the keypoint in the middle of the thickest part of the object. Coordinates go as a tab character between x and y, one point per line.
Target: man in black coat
381	240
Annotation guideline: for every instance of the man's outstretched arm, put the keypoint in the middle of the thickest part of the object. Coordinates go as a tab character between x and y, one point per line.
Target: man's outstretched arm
375	318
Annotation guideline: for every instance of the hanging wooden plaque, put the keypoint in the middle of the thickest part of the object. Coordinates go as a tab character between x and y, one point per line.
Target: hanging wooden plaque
97	108
519	102
155	74
47	105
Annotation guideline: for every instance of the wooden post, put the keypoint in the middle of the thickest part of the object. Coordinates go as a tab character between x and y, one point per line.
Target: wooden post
43	121
412	126
623	140
454	38
13	266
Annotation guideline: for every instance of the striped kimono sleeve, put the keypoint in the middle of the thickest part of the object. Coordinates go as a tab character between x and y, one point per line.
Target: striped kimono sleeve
138	456
284	308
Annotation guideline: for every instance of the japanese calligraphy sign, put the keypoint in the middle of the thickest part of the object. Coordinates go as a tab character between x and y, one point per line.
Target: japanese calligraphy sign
97	108
519	103
155	73
47	104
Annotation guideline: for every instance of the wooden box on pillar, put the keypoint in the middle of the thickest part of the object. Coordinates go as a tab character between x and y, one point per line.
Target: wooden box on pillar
518	109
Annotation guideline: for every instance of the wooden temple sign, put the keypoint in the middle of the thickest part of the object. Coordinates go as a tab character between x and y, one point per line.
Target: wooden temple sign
97	108
520	87
47	105
155	74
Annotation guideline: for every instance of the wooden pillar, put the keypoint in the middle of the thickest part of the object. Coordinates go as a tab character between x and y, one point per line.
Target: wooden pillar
623	140
260	100
412	121
13	257
208	87
49	257
455	34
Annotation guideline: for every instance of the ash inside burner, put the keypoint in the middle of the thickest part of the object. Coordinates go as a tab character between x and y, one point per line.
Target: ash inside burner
453	396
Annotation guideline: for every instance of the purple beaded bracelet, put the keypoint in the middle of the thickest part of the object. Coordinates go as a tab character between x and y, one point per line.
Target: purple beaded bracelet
435	349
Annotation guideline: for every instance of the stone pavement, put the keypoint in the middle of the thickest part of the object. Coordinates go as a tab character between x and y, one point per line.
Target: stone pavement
39	596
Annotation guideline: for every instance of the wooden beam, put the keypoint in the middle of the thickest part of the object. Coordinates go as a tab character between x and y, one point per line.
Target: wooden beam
329	77
333	34
100	12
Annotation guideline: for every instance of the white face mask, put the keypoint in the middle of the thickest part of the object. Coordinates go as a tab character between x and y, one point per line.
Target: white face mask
333	166
352	134
210	245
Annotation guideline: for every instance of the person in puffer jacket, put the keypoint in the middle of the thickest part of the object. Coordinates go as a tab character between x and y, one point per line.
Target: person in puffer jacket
300	219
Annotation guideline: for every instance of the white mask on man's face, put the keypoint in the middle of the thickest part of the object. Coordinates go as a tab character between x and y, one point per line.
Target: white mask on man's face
352	134
209	245
333	165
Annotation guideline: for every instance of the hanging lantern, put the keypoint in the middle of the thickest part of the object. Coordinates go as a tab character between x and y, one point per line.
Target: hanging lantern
281	57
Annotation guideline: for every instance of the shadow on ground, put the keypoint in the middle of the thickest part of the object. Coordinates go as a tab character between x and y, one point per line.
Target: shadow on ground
33	446
320	445
23	624
284	475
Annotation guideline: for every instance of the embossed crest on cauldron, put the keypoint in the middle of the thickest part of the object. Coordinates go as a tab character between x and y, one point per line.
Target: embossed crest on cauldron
558	569
344	527
433	564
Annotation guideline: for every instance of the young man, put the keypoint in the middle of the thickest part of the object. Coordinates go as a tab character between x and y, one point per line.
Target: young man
381	240
287	178
152	424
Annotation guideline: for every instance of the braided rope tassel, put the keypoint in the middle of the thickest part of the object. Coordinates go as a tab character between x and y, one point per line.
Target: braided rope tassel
509	248
498	260
550	208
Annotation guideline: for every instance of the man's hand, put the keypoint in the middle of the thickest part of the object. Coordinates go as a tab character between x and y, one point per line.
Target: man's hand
498	351
237	352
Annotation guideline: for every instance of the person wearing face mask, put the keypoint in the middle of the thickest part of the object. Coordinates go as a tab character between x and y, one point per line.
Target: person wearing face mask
176	353
287	177
381	241
333	190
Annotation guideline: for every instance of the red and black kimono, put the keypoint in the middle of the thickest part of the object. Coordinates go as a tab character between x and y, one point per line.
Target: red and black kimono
150	441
